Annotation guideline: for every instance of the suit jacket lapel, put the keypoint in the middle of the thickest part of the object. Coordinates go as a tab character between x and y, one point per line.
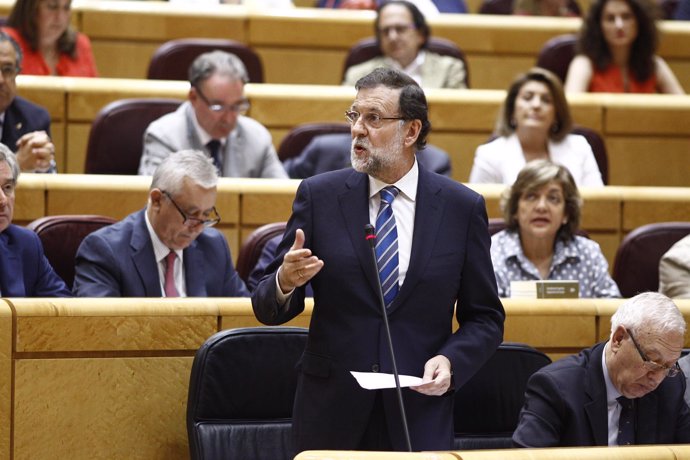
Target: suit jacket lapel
595	389
194	271
354	204
144	258
428	211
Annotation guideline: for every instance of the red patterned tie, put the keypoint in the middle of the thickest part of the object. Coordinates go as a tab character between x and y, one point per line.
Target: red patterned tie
170	289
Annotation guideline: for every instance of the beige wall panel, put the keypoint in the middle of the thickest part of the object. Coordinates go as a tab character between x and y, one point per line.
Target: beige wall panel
78	140
30	198
241	315
645	205
460	147
161	21
303	66
108	408
305	104
659	161
118	59
489	71
609	243
90	95
310	28
6	340
645	114
83	334
681	69
456	110
267	206
601	209
48	92
116	196
563	331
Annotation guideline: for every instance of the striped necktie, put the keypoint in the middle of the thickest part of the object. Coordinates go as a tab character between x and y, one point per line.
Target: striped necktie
387	245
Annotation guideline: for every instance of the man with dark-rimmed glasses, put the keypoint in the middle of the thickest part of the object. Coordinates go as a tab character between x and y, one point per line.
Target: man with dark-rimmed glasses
213	121
623	391
168	249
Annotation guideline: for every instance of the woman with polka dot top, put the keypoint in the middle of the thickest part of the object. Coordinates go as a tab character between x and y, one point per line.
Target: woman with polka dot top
542	214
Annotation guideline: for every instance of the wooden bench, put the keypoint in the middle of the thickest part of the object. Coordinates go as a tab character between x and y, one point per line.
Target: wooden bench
107	377
636	128
308	45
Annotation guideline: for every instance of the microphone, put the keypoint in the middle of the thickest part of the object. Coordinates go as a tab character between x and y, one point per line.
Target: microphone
370	236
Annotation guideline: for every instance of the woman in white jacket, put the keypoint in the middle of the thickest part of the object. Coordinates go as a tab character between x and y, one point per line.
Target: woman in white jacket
535	123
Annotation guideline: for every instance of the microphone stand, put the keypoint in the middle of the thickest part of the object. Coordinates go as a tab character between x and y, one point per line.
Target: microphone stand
371	239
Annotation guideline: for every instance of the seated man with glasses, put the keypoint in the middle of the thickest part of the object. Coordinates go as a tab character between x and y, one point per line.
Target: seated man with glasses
213	121
623	391
25	126
167	249
402	35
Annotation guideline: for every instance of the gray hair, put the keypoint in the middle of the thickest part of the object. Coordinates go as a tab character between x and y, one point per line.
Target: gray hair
193	164
649	311
17	49
10	158
217	62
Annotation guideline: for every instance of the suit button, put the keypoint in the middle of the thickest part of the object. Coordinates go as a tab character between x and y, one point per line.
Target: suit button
375	368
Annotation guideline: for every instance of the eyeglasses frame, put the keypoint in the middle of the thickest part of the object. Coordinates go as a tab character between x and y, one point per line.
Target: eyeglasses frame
348	113
670	371
208	223
240	107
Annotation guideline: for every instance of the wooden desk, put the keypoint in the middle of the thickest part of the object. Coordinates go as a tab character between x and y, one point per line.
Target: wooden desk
635	127
79	376
309	45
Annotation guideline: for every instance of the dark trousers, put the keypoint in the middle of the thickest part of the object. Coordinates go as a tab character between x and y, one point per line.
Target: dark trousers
376	436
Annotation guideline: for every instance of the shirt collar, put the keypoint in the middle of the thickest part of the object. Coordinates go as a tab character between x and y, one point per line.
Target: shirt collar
205	137
160	250
611	392
407	183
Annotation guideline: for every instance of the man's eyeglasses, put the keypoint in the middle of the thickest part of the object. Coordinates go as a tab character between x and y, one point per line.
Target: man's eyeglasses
240	107
370	120
212	220
651	366
399	29
9	71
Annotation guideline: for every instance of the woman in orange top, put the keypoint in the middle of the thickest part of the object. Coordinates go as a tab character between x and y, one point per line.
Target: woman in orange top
617	51
49	44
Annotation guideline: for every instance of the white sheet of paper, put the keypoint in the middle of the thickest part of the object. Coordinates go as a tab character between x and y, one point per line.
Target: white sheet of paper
379	380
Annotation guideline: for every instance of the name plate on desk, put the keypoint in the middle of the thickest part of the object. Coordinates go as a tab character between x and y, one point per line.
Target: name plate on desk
545	289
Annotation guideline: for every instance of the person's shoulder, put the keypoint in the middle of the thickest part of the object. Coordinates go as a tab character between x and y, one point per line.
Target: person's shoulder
25	106
585	244
20	234
250	127
443	59
118	231
175	121
83	40
679	251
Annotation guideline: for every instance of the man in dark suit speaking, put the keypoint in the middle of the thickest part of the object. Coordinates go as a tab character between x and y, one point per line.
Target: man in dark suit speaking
436	252
168	249
624	391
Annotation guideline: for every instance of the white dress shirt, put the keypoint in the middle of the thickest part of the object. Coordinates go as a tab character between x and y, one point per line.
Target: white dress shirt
161	251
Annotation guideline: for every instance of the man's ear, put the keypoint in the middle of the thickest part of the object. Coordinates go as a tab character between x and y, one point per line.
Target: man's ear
617	338
412	133
155	198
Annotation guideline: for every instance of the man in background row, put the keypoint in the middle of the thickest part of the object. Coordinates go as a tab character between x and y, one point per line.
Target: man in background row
402	34
25	126
628	390
24	269
167	249
212	121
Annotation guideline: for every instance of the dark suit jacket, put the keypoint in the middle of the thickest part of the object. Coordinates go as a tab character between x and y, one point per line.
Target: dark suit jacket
566	406
23	117
118	261
24	269
329	152
449	261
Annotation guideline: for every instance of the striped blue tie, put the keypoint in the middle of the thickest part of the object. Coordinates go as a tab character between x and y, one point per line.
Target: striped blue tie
387	245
